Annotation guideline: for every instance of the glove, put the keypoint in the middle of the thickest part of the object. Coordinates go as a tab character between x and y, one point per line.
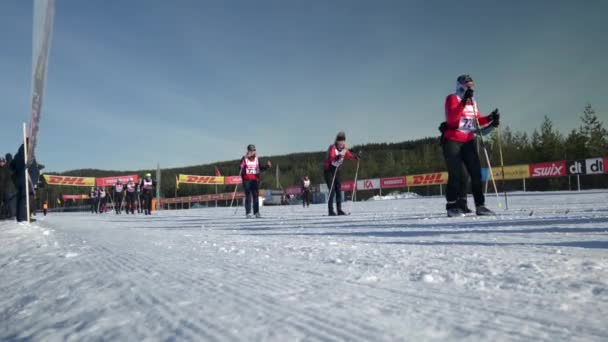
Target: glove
494	117
468	94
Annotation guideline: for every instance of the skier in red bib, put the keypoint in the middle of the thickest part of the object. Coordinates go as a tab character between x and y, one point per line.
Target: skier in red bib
458	141
250	173
331	171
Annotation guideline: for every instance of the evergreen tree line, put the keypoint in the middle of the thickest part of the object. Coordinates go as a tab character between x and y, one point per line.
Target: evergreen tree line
545	144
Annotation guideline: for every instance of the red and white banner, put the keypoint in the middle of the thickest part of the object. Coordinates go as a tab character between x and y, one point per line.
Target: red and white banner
233	180
554	169
111	181
393	182
293	190
368	184
348	185
75	197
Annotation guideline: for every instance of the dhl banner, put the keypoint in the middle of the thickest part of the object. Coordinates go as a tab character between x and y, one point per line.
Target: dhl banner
111	181
427	179
74	197
512	172
69	181
189	179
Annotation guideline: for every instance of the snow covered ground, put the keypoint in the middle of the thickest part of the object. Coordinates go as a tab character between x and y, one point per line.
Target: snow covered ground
393	270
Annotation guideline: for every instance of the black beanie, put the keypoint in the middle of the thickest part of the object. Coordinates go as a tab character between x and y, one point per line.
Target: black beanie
341	136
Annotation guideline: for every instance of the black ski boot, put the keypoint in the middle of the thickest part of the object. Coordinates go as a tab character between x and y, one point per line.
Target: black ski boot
340	212
483	211
462	204
454	210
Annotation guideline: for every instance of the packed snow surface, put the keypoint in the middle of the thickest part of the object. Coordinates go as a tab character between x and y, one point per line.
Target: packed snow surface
393	270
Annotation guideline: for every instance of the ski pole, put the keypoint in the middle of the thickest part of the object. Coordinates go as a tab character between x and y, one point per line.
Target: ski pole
502	166
485	151
356	176
233	195
332	183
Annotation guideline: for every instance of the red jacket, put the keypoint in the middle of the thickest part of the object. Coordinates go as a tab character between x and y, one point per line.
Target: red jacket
332	159
461	123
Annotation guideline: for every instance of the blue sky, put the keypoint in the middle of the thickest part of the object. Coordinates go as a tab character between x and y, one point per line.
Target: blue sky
133	83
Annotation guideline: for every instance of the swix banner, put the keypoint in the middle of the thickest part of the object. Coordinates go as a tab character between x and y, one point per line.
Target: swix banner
111	181
190	179
69	181
554	169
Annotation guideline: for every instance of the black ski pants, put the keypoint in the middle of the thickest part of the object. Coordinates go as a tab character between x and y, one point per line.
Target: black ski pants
252	196
458	157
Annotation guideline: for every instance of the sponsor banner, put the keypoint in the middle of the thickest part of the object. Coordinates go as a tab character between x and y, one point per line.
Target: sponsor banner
554	169
233	180
594	166
576	167
512	172
368	184
111	181
348	186
427	179
44	14
74	197
393	182
293	190
69	181
189	179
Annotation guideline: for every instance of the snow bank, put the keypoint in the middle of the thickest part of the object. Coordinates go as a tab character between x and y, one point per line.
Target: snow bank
394	196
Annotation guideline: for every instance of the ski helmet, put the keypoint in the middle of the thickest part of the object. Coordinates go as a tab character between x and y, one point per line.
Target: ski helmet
148	175
250	148
118	180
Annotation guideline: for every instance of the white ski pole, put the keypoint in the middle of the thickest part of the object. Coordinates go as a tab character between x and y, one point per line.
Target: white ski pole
485	151
356	177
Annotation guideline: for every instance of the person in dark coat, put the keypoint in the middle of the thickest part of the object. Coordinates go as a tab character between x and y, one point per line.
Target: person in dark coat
18	167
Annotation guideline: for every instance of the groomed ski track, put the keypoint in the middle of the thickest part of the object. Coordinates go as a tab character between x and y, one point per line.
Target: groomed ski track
393	270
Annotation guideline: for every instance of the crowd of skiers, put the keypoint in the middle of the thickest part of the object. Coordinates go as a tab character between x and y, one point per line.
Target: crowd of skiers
128	197
463	125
